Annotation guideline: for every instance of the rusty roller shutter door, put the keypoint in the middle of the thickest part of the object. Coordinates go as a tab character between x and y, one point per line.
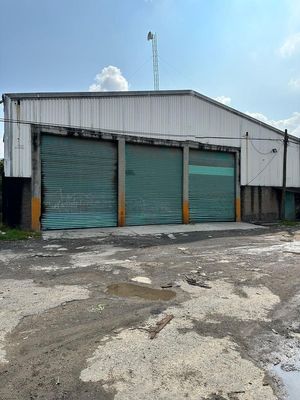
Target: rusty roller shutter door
79	183
153	185
211	186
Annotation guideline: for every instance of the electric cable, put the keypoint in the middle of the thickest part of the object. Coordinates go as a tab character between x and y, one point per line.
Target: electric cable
179	73
122	132
258	151
130	76
264	168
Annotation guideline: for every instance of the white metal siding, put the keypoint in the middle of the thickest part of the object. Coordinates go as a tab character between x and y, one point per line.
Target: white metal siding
7	139
293	165
179	117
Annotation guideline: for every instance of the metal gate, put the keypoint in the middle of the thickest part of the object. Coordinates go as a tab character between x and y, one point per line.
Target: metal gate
153	185
211	186
79	182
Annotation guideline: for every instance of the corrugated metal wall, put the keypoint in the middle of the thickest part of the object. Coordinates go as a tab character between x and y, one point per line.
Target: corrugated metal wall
179	117
79	183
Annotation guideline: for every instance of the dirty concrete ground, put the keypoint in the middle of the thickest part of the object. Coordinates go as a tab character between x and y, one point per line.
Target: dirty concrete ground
75	317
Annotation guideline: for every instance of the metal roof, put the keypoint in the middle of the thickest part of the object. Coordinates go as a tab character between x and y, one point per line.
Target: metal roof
149	93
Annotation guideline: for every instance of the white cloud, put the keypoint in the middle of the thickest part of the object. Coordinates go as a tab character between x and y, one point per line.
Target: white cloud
294	83
224	100
291	45
292	123
109	79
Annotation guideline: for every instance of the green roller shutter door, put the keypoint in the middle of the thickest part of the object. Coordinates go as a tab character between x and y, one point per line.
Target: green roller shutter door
79	183
211	186
153	185
290	207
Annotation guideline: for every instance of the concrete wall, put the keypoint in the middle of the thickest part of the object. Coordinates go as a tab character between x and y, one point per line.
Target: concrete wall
260	204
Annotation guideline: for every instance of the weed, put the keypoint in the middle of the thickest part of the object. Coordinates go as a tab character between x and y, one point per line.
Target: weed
16	234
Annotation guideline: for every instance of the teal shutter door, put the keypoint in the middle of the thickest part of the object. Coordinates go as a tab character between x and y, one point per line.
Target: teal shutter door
211	186
79	183
153	185
290	207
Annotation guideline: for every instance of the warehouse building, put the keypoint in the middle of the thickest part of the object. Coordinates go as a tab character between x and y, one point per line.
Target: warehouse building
75	160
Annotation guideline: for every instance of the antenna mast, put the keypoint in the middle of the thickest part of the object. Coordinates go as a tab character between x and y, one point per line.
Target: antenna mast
153	37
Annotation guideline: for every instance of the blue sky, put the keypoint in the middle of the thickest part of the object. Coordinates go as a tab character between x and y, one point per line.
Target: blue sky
244	52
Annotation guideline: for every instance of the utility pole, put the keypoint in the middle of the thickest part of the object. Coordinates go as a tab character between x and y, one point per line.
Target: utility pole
152	36
283	192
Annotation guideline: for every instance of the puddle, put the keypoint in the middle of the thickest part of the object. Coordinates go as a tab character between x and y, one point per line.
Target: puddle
132	290
290	380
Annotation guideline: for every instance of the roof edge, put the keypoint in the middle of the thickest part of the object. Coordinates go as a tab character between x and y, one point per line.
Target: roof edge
129	93
185	92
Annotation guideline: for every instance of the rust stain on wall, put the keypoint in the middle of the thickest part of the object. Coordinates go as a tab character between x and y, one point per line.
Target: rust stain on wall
238	210
35	213
121	210
186	212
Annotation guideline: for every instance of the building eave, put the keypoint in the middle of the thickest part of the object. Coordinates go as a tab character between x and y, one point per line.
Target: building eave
149	93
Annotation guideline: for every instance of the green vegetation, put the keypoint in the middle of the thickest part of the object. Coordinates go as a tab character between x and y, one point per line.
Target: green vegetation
289	223
16	234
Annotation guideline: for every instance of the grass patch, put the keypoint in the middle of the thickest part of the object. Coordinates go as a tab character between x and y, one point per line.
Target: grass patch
16	234
289	223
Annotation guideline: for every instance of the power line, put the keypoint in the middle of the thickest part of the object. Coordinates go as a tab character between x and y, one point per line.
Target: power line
130	76
258	151
179	73
293	143
166	75
264	168
182	75
122	132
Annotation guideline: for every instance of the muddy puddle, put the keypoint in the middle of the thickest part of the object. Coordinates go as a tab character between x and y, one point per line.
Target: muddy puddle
132	290
290	380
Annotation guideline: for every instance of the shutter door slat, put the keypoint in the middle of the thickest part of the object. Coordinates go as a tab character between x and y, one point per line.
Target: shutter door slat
79	184
153	185
211	186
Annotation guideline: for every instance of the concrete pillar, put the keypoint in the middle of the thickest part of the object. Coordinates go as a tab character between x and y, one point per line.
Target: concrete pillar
185	189
237	188
36	181
121	182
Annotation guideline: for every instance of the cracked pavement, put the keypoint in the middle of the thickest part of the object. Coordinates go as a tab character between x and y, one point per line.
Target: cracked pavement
65	335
